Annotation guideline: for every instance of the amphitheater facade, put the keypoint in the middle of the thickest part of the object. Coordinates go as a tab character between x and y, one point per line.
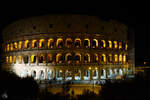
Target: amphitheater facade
67	47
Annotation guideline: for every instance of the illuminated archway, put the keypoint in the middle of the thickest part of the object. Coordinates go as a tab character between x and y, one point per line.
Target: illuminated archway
78	58
7	59
59	43
19	59
96	58
41	74
8	47
120	45
77	42
26	59
10	59
11	47
124	58
110	44
86	42
14	59
103	43
33	59
115	44
68	57
120	58
110	58
42	58
68	42
126	46
59	58
116	58
49	58
15	45
26	44
34	43
41	43
20	45
103	58
95	43
50	43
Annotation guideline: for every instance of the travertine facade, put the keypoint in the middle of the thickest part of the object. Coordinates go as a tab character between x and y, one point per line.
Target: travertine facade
67	47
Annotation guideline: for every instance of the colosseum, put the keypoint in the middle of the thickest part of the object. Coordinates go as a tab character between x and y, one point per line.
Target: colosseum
67	47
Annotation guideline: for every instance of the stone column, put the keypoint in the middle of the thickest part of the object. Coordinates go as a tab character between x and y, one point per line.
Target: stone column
99	74
91	74
45	74
106	73
63	74
54	74
82	74
73	75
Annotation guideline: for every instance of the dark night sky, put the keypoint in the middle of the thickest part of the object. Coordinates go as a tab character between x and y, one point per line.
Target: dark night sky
134	14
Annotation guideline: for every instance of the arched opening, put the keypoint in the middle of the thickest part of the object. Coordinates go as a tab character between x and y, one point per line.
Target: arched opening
103	58
103	44
103	74
95	43
49	58
19	59
41	43
59	74
87	58
11	47
95	59
59	43
109	44
26	44
68	57
78	58
26	59
116	57
120	58
68	42
77	43
126	46
115	44
59	58
33	74
41	75
14	59
20	45
41	58
34	43
77	74
87	75
68	75
15	45
7	59
50	43
120	45
49	74
95	74
8	47
86	43
10	59
33	59
110	58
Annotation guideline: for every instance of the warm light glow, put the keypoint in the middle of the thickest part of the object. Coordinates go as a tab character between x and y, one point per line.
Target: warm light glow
15	45
14	59
78	40
20	44
126	46
7	59
11	47
19	59
59	40
96	42
110	57
50	43
120	58
96	57
34	43
33	60
49	58
60	71
26	43
110	44
7	47
66	57
41	43
104	43
116	57
78	54
90	68
10	59
58	57
95	68
104	57
115	44
124	58
68	40
120	45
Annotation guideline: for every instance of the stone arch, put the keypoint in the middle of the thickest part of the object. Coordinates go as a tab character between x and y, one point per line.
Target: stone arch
34	43
68	42
59	43
41	75
59	58
78	57
77	42
26	44
95	43
42	43
86	42
68	57
50	43
87	58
